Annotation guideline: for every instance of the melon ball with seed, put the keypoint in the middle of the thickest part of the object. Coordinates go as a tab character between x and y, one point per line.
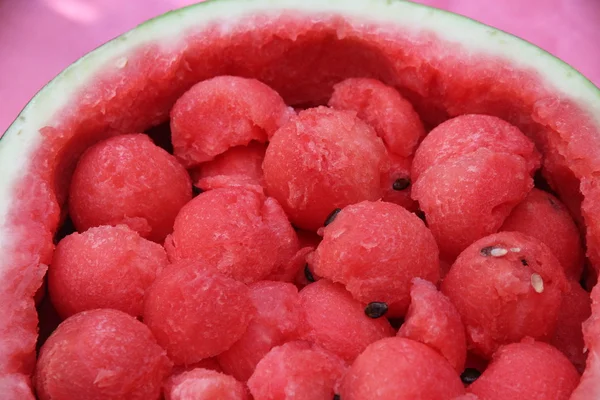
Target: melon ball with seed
506	286
433	320
375	249
196	313
204	384
278	320
338	322
470	196
397	184
224	112
544	217
290	271
321	160
383	107
103	267
101	354
400	369
297	370
236	231
128	180
466	134
575	309
528	370
240	166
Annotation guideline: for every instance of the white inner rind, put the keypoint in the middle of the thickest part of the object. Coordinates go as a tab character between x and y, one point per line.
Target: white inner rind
23	137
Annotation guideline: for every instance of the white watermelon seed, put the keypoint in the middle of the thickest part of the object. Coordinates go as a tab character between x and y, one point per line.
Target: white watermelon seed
537	282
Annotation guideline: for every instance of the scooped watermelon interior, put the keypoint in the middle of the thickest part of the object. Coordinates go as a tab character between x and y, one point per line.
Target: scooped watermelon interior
444	64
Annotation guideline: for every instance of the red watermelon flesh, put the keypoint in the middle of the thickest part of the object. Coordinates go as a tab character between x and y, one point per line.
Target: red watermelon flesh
279	319
575	309
393	117
400	369
238	166
299	370
301	52
206	384
588	387
433	320
252	110
527	370
397	183
544	217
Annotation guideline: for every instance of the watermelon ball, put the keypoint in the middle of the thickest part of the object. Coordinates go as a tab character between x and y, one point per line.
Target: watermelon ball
236	231
397	183
196	313
103	267
433	320
204	384
400	369
470	196
240	166
575	309
506	286
298	370
322	160
544	217
128	180
101	354
337	322
466	134
224	112
278	320
528	370
375	249
383	107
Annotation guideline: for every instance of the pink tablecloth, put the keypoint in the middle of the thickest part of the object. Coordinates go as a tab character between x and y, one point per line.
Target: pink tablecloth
38	38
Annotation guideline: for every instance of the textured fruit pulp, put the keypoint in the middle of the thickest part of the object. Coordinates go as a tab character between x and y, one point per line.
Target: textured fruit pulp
301	60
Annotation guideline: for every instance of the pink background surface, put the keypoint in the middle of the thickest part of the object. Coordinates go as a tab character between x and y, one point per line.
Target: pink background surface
39	38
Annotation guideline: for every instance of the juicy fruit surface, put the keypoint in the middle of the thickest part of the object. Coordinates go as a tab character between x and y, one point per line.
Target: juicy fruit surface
181	301
128	180
85	359
223	112
375	249
336	46
337	322
297	370
468	133
383	107
321	160
279	319
204	384
236	231
506	286
469	197
433	320
323	49
527	370
424	373
103	267
543	216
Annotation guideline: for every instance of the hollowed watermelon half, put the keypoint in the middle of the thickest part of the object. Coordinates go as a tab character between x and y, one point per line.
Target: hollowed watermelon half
446	65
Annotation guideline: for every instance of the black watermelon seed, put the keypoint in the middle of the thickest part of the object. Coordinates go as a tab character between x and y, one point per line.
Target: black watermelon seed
196	191
401	184
331	217
376	309
336	397
307	274
469	375
524	262
487	251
